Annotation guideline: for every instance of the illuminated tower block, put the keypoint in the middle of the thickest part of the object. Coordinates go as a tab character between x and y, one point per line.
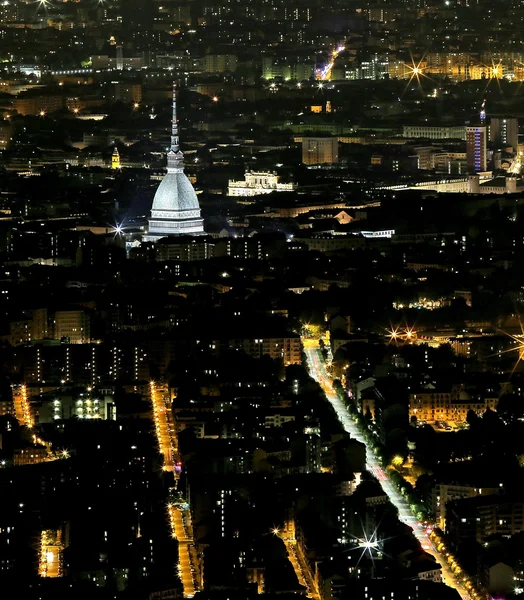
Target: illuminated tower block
476	148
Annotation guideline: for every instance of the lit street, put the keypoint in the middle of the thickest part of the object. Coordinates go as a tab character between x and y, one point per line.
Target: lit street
318	372
179	514
22	407
298	560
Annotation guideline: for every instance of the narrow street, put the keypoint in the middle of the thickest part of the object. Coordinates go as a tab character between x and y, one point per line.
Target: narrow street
179	515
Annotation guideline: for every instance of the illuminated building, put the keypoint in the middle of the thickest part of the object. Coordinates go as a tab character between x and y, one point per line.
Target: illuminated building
127	92
30	456
375	67
103	61
504	132
115	159
175	209
434	132
87	405
288	349
450	405
7	407
51	554
256	183
20	332
480	517
288	69
319	150
5	134
443	493
476	148
219	63
72	325
185	249
38	105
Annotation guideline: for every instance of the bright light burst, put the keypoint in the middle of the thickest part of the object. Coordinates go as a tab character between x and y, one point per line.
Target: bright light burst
416	71
324	74
370	545
402	334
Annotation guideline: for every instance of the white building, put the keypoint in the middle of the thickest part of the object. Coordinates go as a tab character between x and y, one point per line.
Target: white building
256	183
434	132
175	209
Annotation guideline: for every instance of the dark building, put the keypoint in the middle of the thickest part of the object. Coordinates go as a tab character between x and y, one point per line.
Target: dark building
480	517
137	22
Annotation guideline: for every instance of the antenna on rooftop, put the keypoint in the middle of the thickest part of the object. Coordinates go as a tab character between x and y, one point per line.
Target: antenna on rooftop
483	112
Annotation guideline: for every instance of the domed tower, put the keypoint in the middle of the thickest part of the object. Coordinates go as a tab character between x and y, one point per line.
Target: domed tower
115	159
175	209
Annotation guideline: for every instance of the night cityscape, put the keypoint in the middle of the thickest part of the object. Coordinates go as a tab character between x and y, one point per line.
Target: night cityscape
261	300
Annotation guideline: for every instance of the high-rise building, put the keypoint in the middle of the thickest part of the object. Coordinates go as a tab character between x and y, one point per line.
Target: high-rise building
127	92
504	133
318	151
476	148
72	325
175	209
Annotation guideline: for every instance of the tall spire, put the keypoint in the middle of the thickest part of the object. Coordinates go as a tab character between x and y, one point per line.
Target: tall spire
175	158
175	209
175	142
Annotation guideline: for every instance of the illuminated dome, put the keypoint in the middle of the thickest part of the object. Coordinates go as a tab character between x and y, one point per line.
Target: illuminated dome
175	209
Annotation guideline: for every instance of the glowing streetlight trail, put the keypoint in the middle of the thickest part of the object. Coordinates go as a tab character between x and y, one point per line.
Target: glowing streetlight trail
179	516
318	371
23	411
324	74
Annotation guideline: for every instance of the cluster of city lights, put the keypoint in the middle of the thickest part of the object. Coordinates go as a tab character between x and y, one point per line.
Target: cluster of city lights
50	556
178	517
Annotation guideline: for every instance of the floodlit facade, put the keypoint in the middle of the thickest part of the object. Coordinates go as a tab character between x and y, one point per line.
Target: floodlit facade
175	209
84	406
452	407
256	183
319	150
72	325
434	132
115	159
